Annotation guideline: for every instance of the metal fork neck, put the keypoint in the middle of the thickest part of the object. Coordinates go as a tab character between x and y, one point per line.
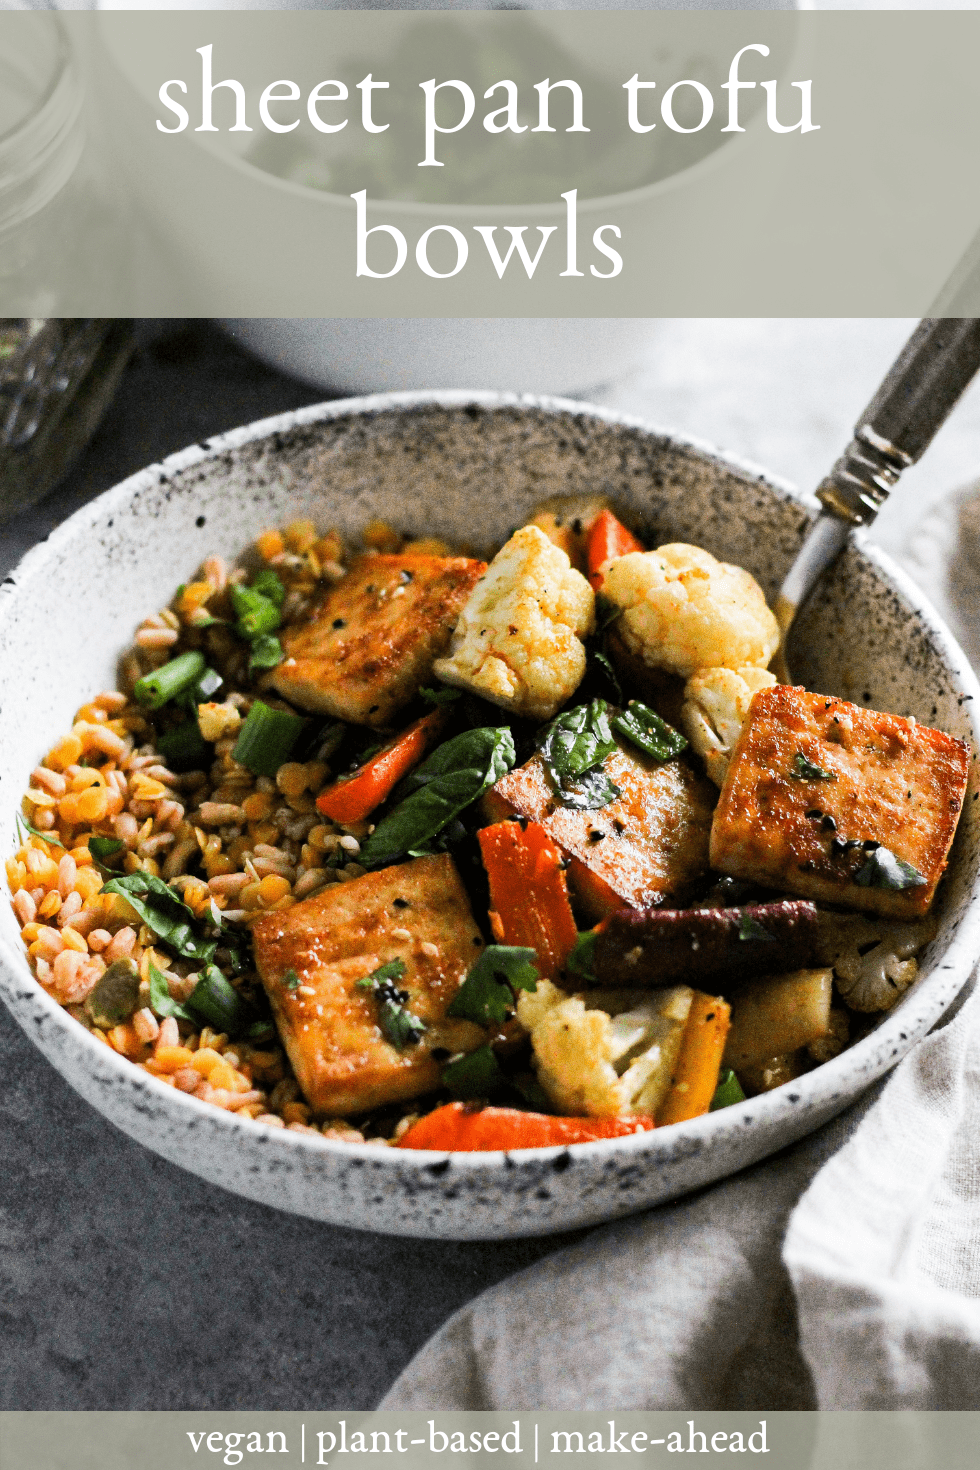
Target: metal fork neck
863	478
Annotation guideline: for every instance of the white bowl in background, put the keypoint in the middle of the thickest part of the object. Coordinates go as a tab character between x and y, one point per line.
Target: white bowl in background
467	467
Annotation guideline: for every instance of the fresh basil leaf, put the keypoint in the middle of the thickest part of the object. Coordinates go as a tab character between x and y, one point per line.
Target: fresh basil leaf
475	1075
644	728
576	741
291	980
398	1026
162	1002
590	793
749	928
47	836
805	770
162	911
265	652
455	775
581	961
727	1093
215	1000
441	696
882	869
486	996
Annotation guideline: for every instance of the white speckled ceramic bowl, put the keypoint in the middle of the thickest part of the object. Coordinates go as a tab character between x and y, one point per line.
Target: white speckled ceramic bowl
460	466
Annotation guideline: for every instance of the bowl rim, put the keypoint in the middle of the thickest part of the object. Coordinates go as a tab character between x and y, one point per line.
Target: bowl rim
871	1055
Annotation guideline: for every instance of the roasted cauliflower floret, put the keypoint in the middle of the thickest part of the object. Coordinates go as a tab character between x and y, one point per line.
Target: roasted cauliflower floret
872	959
518	642
684	611
605	1055
716	704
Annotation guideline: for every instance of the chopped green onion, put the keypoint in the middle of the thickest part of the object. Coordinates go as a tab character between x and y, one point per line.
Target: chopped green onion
267	739
218	1002
256	613
270	585
727	1093
158	688
185	748
476	1075
266	652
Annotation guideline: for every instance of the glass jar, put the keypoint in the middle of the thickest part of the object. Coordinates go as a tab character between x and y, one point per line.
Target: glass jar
57	373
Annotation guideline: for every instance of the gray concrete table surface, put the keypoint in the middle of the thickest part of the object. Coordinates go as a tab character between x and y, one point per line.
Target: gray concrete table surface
126	1283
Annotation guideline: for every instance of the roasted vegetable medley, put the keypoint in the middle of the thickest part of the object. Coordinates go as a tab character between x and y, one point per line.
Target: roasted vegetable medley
392	845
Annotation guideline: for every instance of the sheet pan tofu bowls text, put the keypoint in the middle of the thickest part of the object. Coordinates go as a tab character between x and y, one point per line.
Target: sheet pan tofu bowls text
387	843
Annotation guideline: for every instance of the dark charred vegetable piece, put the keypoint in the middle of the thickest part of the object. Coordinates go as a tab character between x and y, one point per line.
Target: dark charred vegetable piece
163	685
652	947
267	738
115	995
185	748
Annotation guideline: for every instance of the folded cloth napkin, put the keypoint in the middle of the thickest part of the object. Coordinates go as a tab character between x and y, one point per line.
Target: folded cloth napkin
691	1306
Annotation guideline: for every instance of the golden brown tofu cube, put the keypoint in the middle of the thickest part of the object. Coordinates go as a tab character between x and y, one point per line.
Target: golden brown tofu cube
330	1024
648	844
822	797
373	638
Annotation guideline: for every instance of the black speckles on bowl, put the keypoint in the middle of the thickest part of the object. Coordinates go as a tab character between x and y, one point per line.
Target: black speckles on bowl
465	467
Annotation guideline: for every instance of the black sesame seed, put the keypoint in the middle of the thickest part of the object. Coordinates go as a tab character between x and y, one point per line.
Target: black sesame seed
339	623
828	824
400	903
814	814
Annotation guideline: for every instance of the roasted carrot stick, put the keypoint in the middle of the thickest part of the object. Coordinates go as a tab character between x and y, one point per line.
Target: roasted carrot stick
696	1074
608	538
528	893
352	798
457	1128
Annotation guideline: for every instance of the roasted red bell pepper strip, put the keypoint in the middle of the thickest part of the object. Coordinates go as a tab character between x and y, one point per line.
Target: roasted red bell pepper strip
458	1128
354	797
608	538
528	893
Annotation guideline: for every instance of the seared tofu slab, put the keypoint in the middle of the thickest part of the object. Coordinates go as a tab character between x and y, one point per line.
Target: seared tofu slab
649	844
311	956
840	804
374	637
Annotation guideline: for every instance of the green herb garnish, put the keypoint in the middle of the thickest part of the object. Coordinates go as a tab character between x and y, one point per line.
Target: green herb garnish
455	775
644	728
749	928
162	911
487	995
256	613
581	961
45	836
475	1075
265	652
217	1002
442	696
606	671
162	1002
398	1025
573	748
805	770
267	738
728	1092
882	869
104	848
174	679
290	980
269	583
606	611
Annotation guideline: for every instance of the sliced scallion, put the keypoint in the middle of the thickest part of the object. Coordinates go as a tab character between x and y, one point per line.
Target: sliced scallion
165	684
270	585
256	612
265	652
267	738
